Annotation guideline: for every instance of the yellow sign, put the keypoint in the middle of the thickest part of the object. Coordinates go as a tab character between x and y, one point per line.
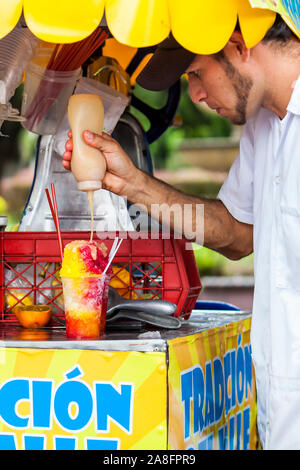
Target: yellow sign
199	393
82	399
212	398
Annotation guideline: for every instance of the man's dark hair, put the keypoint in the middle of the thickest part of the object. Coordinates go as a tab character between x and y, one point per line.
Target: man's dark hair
279	32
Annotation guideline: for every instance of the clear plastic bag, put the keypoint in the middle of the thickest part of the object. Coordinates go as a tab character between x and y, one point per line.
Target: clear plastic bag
16	50
114	104
107	70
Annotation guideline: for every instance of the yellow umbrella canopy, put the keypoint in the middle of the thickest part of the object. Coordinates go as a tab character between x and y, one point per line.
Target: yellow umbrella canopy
10	14
63	21
202	26
138	23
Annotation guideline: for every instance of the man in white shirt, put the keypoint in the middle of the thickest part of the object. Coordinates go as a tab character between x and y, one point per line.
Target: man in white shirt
258	207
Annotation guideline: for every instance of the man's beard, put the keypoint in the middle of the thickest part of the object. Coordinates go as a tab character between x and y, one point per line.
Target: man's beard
242	86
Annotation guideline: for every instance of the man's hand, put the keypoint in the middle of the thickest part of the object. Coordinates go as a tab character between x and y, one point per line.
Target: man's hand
121	172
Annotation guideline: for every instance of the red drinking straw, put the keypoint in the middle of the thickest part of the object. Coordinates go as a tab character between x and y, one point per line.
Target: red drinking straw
54	211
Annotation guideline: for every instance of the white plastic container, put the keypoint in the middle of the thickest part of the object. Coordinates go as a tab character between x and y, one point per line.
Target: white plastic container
16	51
3	223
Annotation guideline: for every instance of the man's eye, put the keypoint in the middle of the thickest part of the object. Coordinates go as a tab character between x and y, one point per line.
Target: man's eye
195	74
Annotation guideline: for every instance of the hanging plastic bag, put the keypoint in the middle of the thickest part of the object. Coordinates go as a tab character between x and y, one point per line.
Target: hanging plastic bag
16	50
114	104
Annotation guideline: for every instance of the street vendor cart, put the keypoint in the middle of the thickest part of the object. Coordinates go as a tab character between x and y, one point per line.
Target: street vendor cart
141	385
160	382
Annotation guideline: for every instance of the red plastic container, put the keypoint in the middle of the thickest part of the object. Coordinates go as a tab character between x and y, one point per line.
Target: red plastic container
152	268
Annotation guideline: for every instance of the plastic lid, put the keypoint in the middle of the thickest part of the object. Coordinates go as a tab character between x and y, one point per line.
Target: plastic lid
3	221
89	185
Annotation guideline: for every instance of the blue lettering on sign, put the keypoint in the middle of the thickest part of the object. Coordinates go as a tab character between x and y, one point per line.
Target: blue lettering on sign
197	388
219	388
33	442
75	393
8	441
233	378
207	442
248	371
12	393
114	406
210	395
65	443
238	429
240	374
187	399
73	405
41	403
102	444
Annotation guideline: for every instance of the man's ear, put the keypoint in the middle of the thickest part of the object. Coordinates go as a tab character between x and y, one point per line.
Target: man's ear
236	47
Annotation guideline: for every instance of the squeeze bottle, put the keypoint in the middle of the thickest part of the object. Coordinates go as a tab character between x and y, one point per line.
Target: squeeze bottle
88	165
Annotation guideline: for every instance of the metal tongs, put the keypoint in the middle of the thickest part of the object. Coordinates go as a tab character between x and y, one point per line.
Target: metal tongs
153	312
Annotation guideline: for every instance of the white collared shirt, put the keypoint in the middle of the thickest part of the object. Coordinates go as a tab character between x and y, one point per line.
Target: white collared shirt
263	189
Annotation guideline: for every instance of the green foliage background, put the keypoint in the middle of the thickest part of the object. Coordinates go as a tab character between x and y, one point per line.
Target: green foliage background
196	123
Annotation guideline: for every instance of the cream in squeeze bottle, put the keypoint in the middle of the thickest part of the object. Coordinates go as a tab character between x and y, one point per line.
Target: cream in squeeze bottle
88	165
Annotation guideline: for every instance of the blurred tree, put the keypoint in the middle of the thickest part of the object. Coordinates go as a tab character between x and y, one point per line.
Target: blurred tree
27	142
195	123
17	151
17	145
9	151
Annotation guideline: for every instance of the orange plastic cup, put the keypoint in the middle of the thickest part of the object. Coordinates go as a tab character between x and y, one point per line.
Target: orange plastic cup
85	300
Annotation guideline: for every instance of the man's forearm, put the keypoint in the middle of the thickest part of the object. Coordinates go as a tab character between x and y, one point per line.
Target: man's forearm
218	229
221	232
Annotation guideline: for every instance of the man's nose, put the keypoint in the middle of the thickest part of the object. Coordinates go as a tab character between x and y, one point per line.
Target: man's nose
196	91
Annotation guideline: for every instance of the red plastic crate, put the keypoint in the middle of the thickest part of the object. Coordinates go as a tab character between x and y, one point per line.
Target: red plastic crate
154	268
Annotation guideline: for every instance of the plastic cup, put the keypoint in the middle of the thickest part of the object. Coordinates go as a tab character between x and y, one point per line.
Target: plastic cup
45	98
85	300
16	50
